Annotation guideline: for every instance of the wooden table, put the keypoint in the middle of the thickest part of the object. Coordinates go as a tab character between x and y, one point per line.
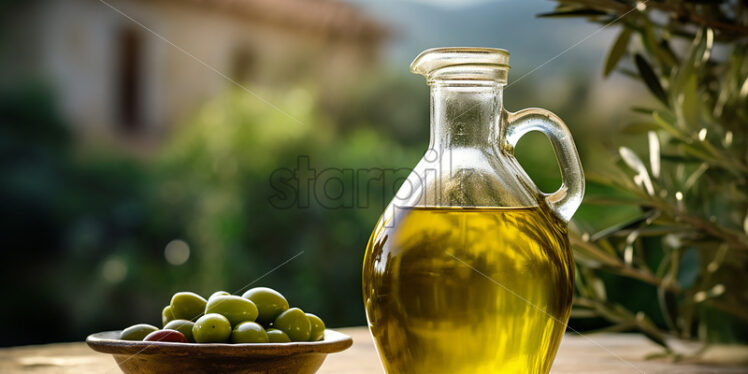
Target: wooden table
604	353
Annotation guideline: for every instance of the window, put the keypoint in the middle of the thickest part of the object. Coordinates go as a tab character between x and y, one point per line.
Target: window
129	81
242	64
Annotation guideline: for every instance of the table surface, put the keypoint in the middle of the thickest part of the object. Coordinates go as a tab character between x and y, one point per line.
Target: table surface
599	353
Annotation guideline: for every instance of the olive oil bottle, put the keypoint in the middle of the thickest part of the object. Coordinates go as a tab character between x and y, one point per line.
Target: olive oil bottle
469	268
460	290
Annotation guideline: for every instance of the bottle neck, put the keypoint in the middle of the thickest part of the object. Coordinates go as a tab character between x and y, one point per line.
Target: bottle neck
465	115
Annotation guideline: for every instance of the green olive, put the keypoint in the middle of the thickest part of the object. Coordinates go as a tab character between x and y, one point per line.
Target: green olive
249	332
187	305
137	332
218	293
318	327
295	324
236	309
183	326
277	336
270	303
166	315
211	328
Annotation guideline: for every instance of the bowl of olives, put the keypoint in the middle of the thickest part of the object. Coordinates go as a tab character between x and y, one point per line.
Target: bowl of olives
257	332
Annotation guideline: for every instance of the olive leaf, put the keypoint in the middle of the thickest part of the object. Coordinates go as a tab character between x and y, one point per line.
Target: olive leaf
636	164
640	127
666	123
650	78
572	13
698	53
632	224
649	39
690	104
654	154
618	50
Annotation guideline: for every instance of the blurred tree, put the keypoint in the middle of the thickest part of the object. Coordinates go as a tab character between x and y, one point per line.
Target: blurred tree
33	141
253	187
62	216
689	240
397	105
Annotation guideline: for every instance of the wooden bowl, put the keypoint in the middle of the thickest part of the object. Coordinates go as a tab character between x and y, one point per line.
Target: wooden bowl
137	357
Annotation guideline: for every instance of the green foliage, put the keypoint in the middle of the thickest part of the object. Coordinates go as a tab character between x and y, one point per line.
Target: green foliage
214	180
62	217
85	227
689	240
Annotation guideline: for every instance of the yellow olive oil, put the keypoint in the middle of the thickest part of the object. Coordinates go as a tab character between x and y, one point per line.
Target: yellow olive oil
468	290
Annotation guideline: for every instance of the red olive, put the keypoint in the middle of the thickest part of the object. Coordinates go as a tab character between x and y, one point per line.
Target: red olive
166	335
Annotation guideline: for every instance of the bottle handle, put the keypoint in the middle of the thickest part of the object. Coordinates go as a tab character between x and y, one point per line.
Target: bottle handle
566	200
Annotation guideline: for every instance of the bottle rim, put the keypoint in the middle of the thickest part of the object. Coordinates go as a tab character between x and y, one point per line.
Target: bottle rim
467	63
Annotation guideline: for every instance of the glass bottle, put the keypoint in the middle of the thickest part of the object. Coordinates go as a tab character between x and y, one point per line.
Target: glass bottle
469	269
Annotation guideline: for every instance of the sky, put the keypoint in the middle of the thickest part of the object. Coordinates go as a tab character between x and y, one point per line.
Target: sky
509	24
450	3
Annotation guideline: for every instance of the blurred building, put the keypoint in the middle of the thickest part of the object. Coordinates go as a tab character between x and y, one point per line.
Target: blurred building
129	69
